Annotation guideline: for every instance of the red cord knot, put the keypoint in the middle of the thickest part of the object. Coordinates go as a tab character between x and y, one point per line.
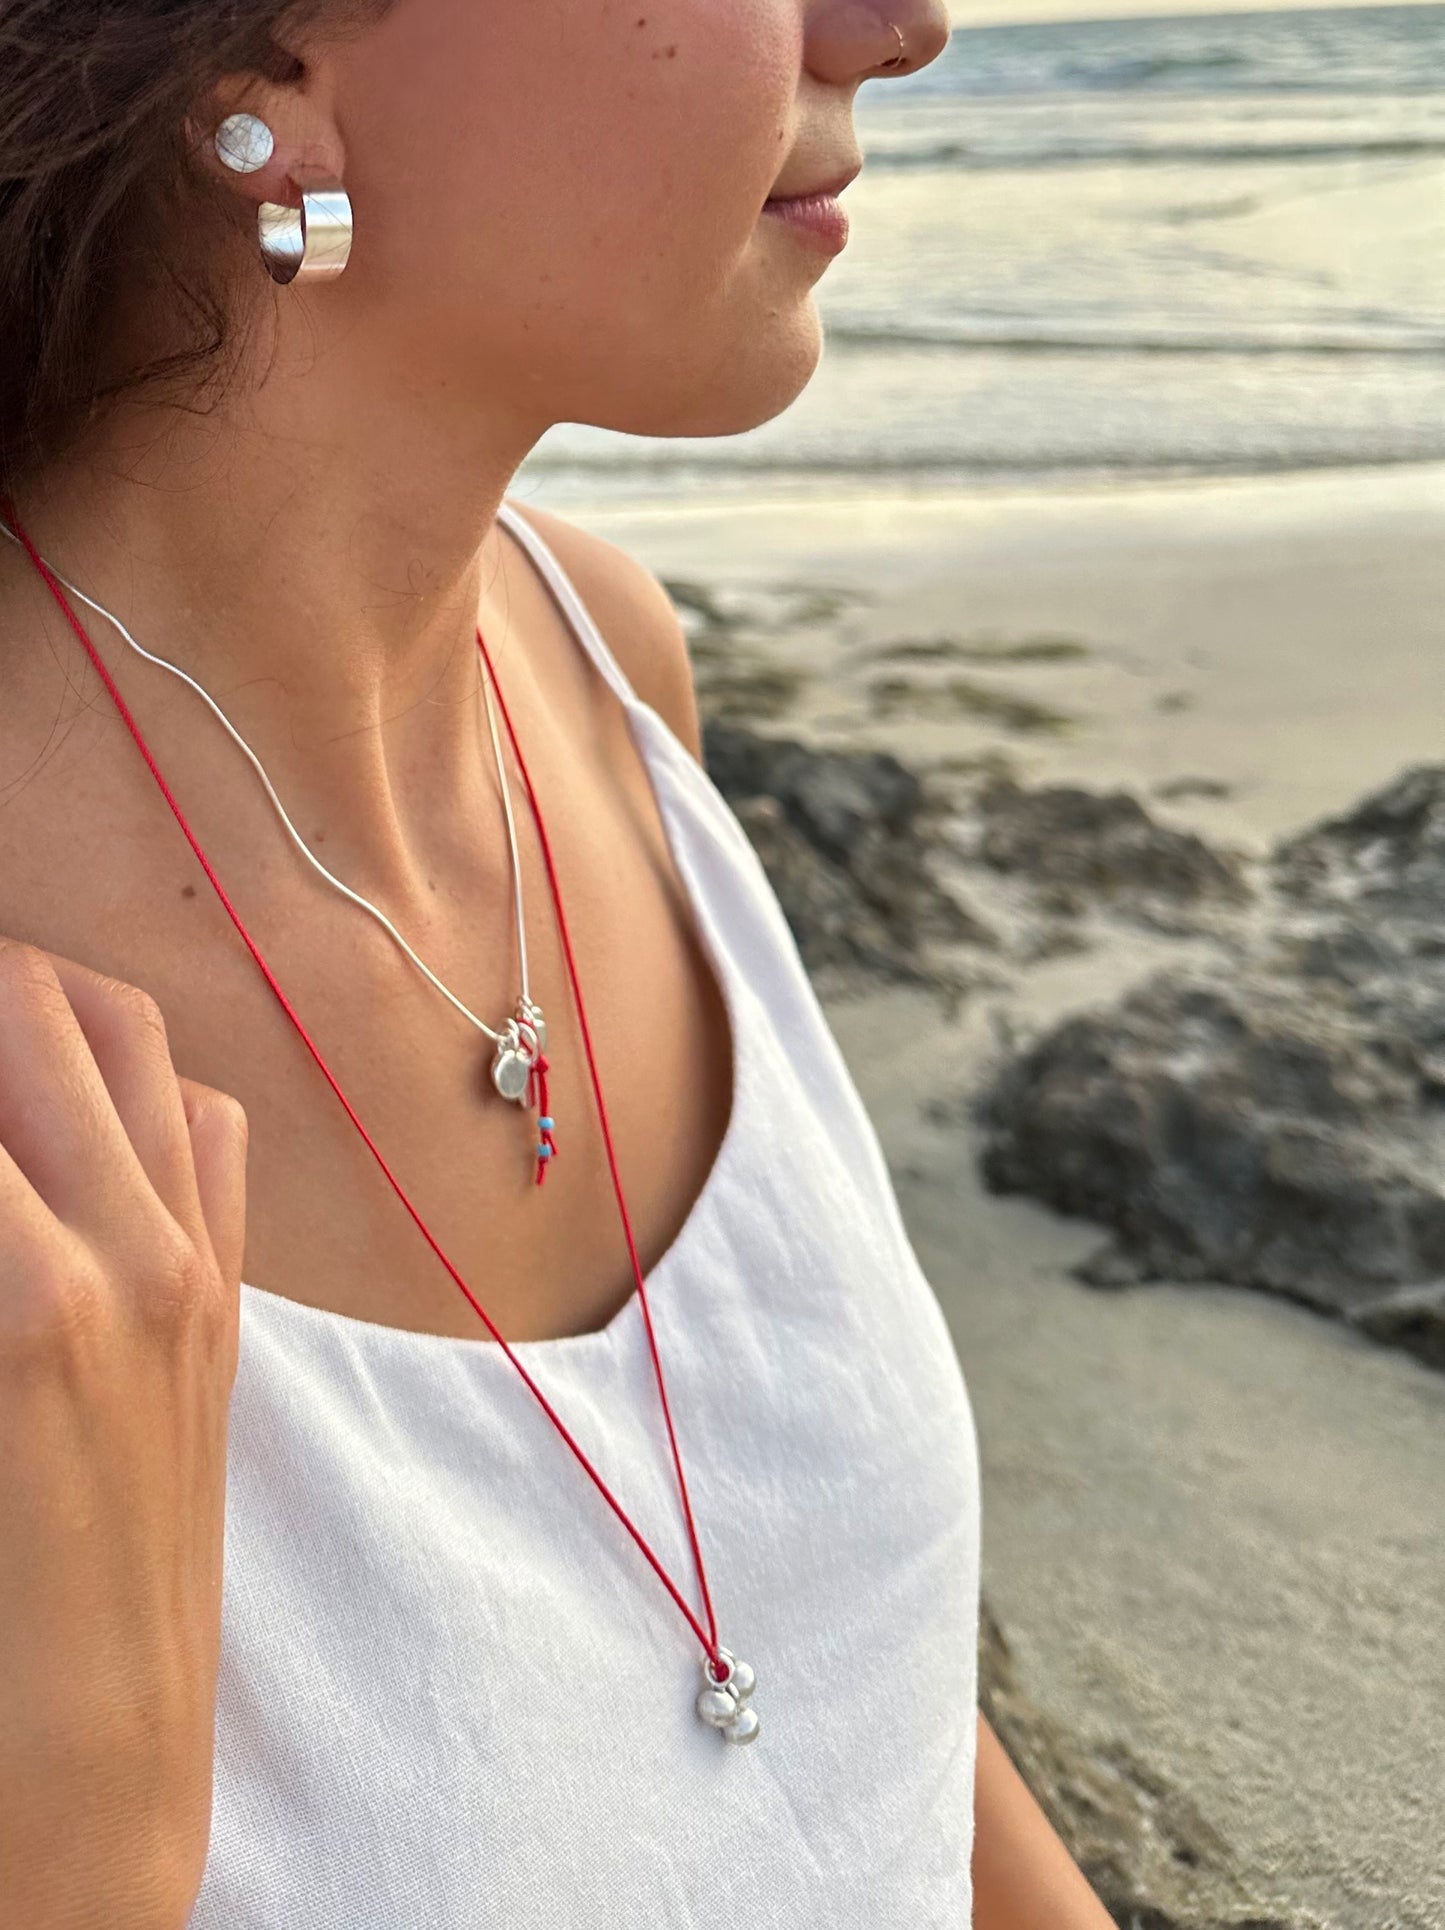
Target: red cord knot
546	1142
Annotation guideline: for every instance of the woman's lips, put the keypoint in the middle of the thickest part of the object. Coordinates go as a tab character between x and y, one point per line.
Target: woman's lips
818	217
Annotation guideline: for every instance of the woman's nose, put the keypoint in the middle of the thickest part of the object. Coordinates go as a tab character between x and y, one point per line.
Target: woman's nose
856	40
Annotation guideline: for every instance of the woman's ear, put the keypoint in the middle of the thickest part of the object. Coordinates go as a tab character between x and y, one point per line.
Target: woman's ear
269	139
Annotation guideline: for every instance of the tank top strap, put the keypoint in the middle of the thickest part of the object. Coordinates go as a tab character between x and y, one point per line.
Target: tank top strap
573	608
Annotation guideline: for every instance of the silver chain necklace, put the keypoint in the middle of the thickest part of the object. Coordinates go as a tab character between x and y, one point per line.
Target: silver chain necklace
521	1040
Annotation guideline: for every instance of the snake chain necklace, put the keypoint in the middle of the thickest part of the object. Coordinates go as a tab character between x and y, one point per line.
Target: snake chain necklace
518	1067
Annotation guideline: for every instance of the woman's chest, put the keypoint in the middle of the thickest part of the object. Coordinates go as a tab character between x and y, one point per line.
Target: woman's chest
453	1691
97	869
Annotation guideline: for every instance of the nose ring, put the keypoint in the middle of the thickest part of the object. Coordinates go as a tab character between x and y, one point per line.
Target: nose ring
902	54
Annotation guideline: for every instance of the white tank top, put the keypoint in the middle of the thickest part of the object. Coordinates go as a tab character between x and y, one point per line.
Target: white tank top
454	1694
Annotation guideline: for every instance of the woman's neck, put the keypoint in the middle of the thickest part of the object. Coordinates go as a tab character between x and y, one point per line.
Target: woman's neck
326	597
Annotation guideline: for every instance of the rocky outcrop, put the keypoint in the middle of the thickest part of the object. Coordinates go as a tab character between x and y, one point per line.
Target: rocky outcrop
1232	1130
1381	864
844	837
1276	1122
1083	845
1281	1125
1154	1860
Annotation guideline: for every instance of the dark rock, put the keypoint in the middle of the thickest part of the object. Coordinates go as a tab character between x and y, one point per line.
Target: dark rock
739	684
1155	1862
1083	845
770	608
830	795
833	924
1114	1266
1385	858
966	697
1280	1128
1412	1318
1176	788
698	603
1247	1130
844	837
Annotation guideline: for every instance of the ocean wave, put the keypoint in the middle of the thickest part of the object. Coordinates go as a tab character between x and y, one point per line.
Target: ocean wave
851	336
976	157
1140	71
1362	50
954	468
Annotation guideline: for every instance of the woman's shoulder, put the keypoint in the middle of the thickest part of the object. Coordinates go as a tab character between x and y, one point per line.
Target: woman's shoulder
634	612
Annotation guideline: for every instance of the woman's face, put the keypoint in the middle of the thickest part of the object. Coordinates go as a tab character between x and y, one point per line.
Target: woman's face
557	203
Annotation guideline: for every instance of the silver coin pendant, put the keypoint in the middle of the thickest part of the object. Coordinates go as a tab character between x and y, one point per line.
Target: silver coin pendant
512	1066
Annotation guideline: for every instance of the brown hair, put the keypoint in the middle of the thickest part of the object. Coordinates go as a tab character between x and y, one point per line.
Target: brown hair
97	184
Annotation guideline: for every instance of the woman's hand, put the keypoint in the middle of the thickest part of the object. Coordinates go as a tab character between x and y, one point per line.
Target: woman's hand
122	1220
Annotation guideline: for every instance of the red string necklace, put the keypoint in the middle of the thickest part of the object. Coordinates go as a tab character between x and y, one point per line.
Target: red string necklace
724	1700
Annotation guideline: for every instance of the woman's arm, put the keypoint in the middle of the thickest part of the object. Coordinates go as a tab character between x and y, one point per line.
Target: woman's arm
1023	1877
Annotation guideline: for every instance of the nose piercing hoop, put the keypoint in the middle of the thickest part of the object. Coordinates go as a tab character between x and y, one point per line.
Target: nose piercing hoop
902	54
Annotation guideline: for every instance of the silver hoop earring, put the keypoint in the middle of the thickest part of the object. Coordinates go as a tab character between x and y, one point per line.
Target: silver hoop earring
309	243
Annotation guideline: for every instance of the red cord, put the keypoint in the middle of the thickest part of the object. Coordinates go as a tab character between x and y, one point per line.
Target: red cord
707	1637
611	1152
537	1096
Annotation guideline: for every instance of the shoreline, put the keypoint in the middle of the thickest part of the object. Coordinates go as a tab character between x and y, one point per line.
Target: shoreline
1232	629
744	540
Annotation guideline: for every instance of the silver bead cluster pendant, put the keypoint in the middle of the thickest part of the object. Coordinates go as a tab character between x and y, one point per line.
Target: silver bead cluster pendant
724	1702
524	1037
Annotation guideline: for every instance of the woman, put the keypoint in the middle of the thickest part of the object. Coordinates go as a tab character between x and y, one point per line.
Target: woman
462	1656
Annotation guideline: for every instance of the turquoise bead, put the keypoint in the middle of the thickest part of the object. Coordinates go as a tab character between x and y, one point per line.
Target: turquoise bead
543	1151
545	1122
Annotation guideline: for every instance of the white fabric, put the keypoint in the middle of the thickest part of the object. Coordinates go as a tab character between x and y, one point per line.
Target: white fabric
453	1692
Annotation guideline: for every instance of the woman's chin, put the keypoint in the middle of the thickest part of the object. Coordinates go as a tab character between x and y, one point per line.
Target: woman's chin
756	382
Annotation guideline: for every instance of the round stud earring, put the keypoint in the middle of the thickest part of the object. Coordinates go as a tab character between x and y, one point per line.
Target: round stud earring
244	142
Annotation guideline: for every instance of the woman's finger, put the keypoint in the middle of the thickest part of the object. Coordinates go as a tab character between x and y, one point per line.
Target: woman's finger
218	1131
60	1121
126	1034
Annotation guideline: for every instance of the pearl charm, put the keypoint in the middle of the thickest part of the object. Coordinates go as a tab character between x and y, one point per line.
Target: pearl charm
716	1707
742	1681
722	1704
743	1727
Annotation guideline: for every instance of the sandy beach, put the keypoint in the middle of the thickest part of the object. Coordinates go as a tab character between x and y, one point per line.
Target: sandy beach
1280	636
1212	1518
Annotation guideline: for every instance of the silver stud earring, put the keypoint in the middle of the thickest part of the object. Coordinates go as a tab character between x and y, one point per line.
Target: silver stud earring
309	243
244	142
